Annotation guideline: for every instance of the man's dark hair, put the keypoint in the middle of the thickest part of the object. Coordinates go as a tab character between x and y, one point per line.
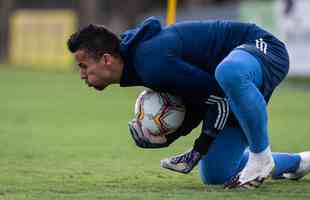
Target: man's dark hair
96	40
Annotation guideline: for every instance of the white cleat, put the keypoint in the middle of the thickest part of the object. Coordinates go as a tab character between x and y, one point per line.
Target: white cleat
303	169
258	168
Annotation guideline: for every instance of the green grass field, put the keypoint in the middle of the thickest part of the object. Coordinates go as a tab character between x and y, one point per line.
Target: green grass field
61	140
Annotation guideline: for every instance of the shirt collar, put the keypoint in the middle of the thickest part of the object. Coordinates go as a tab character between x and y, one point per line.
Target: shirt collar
129	75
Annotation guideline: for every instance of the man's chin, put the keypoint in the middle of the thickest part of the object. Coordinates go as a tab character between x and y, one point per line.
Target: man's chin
99	88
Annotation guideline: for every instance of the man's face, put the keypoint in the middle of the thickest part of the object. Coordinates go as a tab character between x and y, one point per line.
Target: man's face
94	72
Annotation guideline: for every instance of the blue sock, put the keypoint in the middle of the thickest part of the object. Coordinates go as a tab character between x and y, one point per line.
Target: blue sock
285	163
240	76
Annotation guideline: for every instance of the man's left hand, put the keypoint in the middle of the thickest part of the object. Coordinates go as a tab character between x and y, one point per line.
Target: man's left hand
143	138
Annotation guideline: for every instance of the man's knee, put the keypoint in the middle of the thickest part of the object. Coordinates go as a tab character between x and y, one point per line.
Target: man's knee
228	73
215	172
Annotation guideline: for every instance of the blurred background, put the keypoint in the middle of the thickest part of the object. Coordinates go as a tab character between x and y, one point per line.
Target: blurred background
61	140
34	32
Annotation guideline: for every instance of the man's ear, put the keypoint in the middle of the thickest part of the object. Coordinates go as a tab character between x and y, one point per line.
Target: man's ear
108	59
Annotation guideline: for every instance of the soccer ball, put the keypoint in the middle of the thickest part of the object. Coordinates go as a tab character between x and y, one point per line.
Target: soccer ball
159	113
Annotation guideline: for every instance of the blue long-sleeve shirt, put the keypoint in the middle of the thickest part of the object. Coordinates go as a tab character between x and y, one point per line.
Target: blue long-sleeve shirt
181	59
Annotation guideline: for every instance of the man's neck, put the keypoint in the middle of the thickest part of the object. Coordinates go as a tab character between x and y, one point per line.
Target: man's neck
118	71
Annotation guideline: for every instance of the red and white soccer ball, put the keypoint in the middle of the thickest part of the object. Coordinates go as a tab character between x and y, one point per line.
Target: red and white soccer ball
159	113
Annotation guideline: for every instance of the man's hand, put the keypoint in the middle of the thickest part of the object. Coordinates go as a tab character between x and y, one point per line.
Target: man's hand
143	138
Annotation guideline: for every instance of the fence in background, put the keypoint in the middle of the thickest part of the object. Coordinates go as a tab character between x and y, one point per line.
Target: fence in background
290	21
38	38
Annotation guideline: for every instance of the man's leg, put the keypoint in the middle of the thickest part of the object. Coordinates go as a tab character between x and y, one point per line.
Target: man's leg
240	76
293	166
285	163
227	156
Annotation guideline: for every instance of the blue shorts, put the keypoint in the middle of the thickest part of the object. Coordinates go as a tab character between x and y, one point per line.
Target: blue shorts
274	59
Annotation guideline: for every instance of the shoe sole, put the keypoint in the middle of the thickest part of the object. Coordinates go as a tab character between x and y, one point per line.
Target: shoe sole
252	184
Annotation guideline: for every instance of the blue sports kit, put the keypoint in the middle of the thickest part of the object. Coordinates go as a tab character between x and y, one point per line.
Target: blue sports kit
231	66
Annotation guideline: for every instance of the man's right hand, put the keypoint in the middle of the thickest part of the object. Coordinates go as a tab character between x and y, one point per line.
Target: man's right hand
143	138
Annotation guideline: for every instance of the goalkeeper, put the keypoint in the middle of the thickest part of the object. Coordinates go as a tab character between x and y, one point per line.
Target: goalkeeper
205	63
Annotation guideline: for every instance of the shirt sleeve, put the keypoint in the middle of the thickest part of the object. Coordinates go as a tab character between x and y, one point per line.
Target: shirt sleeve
173	74
216	116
